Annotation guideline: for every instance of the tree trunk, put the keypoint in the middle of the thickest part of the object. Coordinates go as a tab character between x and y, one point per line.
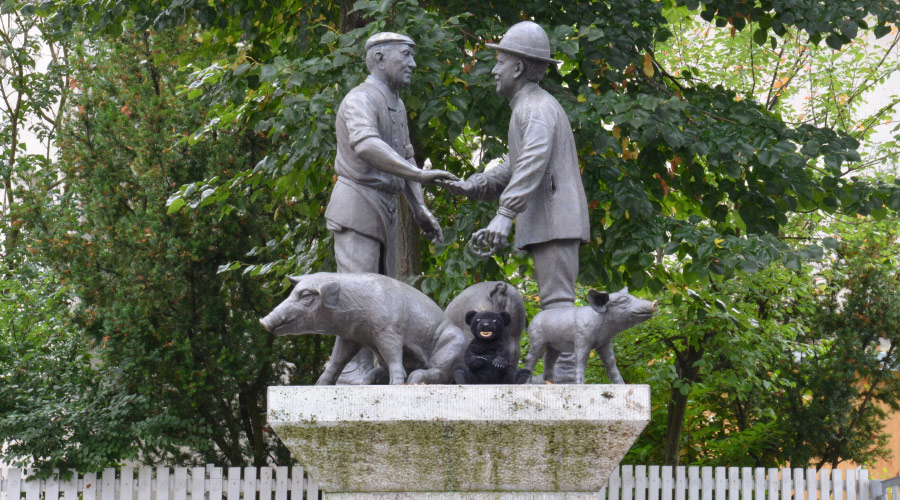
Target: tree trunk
677	406
675	411
352	21
408	262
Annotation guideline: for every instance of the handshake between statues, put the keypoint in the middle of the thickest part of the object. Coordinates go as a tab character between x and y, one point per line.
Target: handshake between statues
490	240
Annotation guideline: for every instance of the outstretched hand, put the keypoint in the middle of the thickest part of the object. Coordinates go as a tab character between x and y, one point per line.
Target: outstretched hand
459	188
435	176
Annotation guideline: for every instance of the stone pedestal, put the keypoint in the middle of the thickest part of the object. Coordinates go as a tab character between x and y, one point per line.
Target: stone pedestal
474	442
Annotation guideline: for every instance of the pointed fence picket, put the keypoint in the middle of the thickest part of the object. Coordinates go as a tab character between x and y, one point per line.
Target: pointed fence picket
628	482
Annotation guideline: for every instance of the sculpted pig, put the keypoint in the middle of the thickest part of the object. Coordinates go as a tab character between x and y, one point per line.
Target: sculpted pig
497	296
406	330
581	329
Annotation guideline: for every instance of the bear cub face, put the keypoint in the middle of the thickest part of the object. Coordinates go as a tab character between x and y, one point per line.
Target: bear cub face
487	325
487	357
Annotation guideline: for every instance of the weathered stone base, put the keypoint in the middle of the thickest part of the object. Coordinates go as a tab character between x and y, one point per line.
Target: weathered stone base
505	442
520	495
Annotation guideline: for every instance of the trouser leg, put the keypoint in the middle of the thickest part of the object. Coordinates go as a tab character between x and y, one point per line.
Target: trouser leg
356	253
555	271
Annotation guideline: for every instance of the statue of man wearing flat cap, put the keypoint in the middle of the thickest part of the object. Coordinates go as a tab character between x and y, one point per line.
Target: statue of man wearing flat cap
375	163
539	186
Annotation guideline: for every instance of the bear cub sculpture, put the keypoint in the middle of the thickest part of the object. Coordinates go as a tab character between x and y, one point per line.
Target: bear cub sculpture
487	357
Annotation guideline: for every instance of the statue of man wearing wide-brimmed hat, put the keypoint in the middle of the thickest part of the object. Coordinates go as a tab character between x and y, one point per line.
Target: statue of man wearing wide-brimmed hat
374	164
539	186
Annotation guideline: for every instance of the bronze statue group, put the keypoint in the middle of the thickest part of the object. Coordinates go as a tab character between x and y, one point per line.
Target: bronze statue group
538	186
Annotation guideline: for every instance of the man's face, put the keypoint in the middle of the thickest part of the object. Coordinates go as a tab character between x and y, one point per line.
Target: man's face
505	74
398	65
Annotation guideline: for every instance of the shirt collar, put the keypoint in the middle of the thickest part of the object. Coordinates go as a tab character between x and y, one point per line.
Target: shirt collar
390	96
528	88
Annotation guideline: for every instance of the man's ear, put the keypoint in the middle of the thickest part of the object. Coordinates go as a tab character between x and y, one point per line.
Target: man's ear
520	68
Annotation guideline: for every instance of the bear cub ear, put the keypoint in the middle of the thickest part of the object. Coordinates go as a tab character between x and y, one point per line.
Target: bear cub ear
507	319
469	316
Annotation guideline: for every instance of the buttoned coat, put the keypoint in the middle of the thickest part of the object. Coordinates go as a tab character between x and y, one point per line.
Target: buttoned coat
541	179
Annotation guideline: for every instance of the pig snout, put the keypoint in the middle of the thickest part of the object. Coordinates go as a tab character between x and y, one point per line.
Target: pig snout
644	309
272	321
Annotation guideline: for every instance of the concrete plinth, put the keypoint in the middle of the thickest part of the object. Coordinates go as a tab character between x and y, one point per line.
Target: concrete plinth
504	442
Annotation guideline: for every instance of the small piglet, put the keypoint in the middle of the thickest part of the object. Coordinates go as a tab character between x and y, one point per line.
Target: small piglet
582	329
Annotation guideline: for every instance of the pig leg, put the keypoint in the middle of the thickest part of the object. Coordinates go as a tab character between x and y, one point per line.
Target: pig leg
549	363
582	353
389	345
609	362
535	349
448	354
343	352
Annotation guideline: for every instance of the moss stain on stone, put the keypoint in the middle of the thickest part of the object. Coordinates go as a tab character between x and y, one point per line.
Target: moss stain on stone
456	455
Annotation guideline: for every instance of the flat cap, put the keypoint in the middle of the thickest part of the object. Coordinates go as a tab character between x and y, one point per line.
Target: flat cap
386	37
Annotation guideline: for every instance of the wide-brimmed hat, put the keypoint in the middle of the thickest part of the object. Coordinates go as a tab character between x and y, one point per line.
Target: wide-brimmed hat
526	39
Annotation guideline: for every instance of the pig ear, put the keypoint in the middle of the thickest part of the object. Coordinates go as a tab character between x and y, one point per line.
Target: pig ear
497	297
624	290
294	280
598	300
331	294
469	316
505	317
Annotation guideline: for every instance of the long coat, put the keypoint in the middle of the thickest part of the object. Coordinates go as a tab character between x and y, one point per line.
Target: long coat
540	181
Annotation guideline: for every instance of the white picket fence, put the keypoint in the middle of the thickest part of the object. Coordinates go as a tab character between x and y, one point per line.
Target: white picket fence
734	483
627	482
163	483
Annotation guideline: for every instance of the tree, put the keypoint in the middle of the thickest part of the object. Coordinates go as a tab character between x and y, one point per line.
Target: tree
713	356
56	409
676	147
174	338
848	378
31	100
710	357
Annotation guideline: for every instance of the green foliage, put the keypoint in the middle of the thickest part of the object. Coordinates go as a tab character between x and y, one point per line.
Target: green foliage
679	163
735	412
810	381
837	22
695	171
56	408
181	355
33	96
846	381
711	353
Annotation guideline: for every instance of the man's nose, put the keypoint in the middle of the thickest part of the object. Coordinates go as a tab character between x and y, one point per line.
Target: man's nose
412	63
